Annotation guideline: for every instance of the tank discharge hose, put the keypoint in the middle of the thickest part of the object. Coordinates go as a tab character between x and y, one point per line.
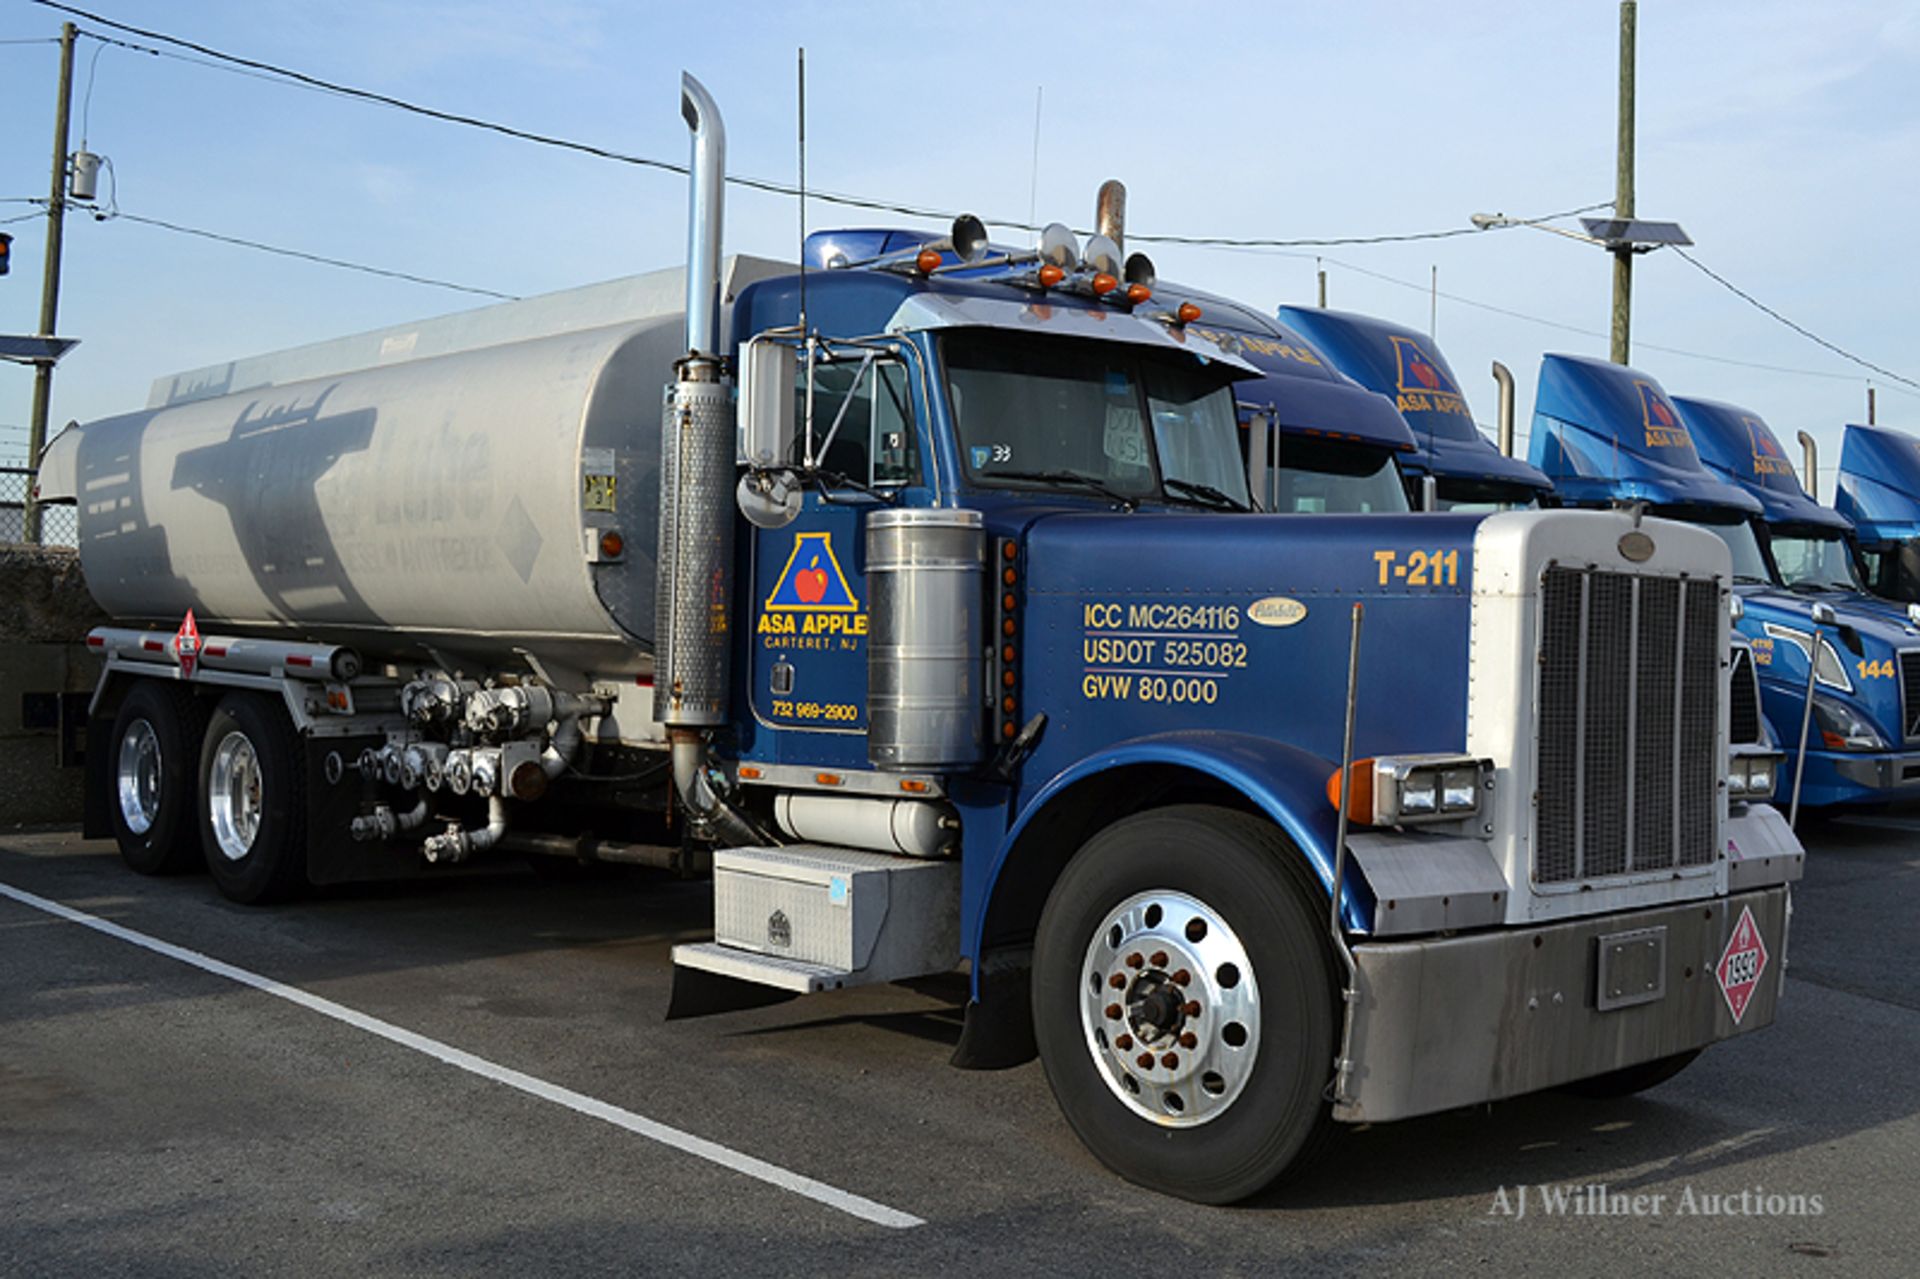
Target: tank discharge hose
708	809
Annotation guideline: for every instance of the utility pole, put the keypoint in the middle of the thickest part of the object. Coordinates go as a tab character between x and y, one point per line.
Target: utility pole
50	284
1623	186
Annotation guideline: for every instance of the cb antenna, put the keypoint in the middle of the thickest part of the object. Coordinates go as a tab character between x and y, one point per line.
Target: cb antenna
803	191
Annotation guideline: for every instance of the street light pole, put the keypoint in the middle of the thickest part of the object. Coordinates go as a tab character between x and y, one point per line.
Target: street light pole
49	285
1623	186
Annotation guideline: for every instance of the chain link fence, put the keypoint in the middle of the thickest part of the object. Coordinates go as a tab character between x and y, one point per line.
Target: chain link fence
59	525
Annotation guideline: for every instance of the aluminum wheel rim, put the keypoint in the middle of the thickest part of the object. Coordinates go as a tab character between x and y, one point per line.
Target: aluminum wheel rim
137	777
1170	1009
233	795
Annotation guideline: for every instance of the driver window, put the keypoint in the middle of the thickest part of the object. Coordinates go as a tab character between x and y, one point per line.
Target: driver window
875	444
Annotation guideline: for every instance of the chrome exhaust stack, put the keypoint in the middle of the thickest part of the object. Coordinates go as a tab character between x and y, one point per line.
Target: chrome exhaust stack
706	207
1503	376
1810	463
1110	213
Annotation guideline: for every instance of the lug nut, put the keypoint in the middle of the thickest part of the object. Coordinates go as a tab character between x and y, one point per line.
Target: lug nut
1113	1012
1135	960
1170	1060
1182	977
1191	1008
1159	959
1189	1040
1145	1061
1117	980
1123	1042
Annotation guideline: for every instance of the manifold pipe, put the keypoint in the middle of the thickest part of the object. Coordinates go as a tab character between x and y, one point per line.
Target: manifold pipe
1110	214
1503	377
706	204
690	780
456	845
1343	1064
1810	463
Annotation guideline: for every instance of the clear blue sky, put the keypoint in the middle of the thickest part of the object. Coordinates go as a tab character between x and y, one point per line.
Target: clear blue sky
1782	135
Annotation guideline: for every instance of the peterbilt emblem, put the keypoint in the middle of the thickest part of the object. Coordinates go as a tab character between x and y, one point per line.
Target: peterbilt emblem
1276	610
779	930
1636	546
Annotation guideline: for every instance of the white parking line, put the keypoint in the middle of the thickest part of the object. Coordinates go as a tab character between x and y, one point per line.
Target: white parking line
652	1130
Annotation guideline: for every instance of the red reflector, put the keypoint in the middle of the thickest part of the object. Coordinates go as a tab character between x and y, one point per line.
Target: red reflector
299	659
95	641
153	646
216	650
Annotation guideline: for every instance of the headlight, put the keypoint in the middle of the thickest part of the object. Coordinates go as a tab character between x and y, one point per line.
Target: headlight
1842	728
1829	669
1753	775
1401	790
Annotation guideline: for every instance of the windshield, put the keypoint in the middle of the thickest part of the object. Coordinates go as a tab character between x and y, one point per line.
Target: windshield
1485	497
1749	565
1816	559
1046	412
1320	477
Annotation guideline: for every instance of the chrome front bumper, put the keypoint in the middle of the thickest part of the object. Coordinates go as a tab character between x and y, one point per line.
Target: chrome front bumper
1455	1021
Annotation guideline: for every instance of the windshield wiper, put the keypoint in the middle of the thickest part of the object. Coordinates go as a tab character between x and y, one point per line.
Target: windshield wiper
1806	586
1748	579
1098	485
1206	492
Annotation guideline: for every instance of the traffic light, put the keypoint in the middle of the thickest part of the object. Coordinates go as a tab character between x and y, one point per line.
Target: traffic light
6	252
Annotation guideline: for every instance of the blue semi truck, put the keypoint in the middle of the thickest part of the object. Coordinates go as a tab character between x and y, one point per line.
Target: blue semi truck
1610	435
931	615
1878	490
1468	473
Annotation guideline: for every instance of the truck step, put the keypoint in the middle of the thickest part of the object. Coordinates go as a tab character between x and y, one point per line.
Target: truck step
809	917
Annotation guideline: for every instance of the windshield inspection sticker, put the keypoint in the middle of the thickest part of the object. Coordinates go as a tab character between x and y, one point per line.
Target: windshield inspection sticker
1742	963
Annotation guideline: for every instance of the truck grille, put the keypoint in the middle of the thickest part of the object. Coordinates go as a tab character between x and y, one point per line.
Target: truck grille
1743	711
1910	694
1629	688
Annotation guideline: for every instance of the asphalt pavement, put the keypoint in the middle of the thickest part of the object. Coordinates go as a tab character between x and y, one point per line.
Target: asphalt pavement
472	1075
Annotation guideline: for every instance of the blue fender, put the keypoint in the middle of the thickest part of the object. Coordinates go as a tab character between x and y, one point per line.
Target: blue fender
1285	782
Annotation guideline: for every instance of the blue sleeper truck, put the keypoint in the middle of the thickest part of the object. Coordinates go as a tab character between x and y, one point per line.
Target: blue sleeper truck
1879	491
1609	435
932	614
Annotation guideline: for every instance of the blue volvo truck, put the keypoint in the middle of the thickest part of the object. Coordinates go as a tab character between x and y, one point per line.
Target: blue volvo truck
1468	472
920	601
1879	491
1610	435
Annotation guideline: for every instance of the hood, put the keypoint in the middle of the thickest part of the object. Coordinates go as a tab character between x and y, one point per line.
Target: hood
1408	368
1739	447
1607	433
1865	644
1879	486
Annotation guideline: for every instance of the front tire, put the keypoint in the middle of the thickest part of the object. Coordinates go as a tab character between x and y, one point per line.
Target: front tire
253	802
154	753
1184	1002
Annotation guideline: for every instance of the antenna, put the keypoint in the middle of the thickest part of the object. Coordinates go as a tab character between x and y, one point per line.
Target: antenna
803	192
1033	185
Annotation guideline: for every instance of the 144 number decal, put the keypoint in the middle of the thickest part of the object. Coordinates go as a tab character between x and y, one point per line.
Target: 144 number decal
1882	669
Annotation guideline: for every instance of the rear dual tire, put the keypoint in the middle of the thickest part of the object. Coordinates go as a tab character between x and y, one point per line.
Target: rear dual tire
252	809
153	761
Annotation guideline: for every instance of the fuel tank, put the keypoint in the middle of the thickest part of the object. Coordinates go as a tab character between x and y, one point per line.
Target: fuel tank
455	502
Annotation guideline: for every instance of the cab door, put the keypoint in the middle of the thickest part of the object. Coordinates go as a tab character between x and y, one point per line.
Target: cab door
809	587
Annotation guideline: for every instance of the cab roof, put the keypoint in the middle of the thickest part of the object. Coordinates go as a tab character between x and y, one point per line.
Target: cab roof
1607	433
1879	485
1737	445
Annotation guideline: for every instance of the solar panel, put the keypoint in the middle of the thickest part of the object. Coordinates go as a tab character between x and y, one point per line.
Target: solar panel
1618	232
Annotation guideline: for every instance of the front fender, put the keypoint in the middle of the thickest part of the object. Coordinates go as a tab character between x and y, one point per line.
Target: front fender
1284	782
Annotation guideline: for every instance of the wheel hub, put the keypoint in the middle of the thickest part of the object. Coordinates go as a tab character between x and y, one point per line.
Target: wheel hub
234	795
1170	1008
137	777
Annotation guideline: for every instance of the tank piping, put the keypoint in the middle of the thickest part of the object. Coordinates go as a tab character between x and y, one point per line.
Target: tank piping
696	792
1503	376
458	844
704	215
1110	213
1810	463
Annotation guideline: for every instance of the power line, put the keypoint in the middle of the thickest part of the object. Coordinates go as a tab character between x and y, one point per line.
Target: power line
1591	333
1801	329
322	259
288	75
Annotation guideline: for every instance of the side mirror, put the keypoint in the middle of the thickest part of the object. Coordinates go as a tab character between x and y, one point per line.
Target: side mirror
767	372
1823	615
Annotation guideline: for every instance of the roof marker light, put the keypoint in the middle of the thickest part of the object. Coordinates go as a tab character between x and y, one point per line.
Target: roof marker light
1138	293
927	261
1187	313
1104	284
1051	275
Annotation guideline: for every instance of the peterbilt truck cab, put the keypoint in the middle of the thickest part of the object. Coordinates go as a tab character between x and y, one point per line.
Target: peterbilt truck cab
1609	435
1465	470
926	609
